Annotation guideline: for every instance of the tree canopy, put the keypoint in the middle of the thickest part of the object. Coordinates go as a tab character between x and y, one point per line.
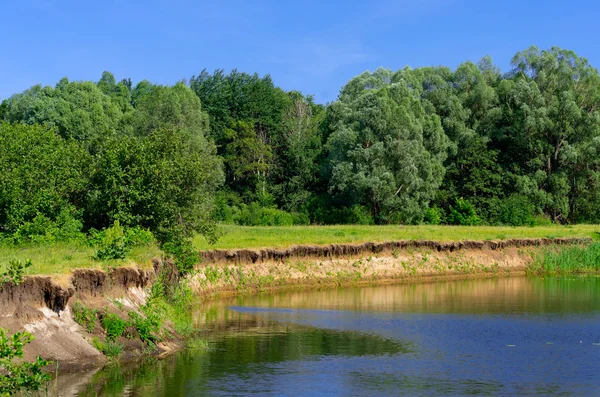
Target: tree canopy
431	144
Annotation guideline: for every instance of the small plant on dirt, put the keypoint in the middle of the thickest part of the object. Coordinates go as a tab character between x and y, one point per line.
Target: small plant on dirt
109	348
85	317
212	274
15	374
145	327
14	273
113	325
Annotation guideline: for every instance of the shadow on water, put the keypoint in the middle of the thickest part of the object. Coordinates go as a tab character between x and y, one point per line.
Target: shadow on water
237	355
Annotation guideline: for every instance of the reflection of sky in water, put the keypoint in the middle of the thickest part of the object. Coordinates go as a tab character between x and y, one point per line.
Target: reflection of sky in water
504	354
536	338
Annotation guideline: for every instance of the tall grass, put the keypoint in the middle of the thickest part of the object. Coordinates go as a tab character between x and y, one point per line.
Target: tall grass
567	260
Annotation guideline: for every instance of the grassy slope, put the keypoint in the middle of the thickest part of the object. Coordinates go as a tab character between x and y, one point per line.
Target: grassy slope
61	258
260	237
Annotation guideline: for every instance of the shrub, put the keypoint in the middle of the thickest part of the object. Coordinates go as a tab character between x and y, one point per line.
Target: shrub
113	243
517	210
184	254
255	215
15	272
84	316
109	348
463	213
145	327
113	325
15	374
434	215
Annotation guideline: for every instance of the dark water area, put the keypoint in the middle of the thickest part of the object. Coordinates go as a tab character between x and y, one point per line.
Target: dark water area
507	336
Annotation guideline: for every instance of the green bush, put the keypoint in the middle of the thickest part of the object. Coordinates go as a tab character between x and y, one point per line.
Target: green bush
434	215
113	243
145	327
17	375
184	254
109	348
517	210
113	325
463	213
255	215
84	316
14	273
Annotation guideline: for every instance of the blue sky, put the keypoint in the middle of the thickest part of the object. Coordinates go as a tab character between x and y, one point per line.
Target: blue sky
308	45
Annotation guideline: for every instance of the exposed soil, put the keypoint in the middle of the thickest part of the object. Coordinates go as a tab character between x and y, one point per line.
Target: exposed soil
242	256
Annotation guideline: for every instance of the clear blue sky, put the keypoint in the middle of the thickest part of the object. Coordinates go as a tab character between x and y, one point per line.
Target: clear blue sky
314	46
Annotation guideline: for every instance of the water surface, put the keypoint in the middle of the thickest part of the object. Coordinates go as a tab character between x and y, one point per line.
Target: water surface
507	336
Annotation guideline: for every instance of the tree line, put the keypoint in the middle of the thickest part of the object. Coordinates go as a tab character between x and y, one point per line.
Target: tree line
428	145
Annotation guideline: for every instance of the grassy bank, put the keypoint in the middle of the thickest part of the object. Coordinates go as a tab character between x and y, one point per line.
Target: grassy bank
61	258
285	236
567	260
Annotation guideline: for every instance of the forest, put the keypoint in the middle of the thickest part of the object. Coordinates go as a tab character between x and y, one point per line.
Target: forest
469	146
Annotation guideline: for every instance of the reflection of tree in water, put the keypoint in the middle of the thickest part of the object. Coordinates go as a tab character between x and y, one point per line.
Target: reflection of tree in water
237	355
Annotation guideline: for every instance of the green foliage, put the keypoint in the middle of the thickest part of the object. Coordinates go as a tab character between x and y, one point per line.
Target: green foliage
15	272
42	178
84	316
110	348
17	375
567	260
386	150
234	148
463	213
434	215
113	243
113	325
517	210
255	215
185	256
146	328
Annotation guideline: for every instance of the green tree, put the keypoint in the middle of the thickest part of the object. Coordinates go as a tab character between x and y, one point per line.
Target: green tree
43	180
386	150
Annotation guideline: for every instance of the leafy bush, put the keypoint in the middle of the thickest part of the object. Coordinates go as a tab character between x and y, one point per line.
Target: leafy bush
463	213
15	272
359	215
145	327
434	215
84	316
109	348
255	215
113	325
185	256
300	218
15	374
517	210
113	243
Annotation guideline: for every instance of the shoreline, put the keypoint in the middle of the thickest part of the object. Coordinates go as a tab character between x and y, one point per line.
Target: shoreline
44	308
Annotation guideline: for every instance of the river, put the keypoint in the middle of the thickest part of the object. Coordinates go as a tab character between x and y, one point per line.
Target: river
506	336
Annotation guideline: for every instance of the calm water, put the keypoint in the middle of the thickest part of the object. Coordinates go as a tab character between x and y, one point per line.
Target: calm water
510	336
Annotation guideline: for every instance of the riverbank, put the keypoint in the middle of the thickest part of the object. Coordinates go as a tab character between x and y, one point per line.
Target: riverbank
59	259
46	308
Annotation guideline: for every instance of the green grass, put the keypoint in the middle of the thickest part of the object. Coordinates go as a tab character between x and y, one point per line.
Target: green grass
61	258
567	260
285	236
